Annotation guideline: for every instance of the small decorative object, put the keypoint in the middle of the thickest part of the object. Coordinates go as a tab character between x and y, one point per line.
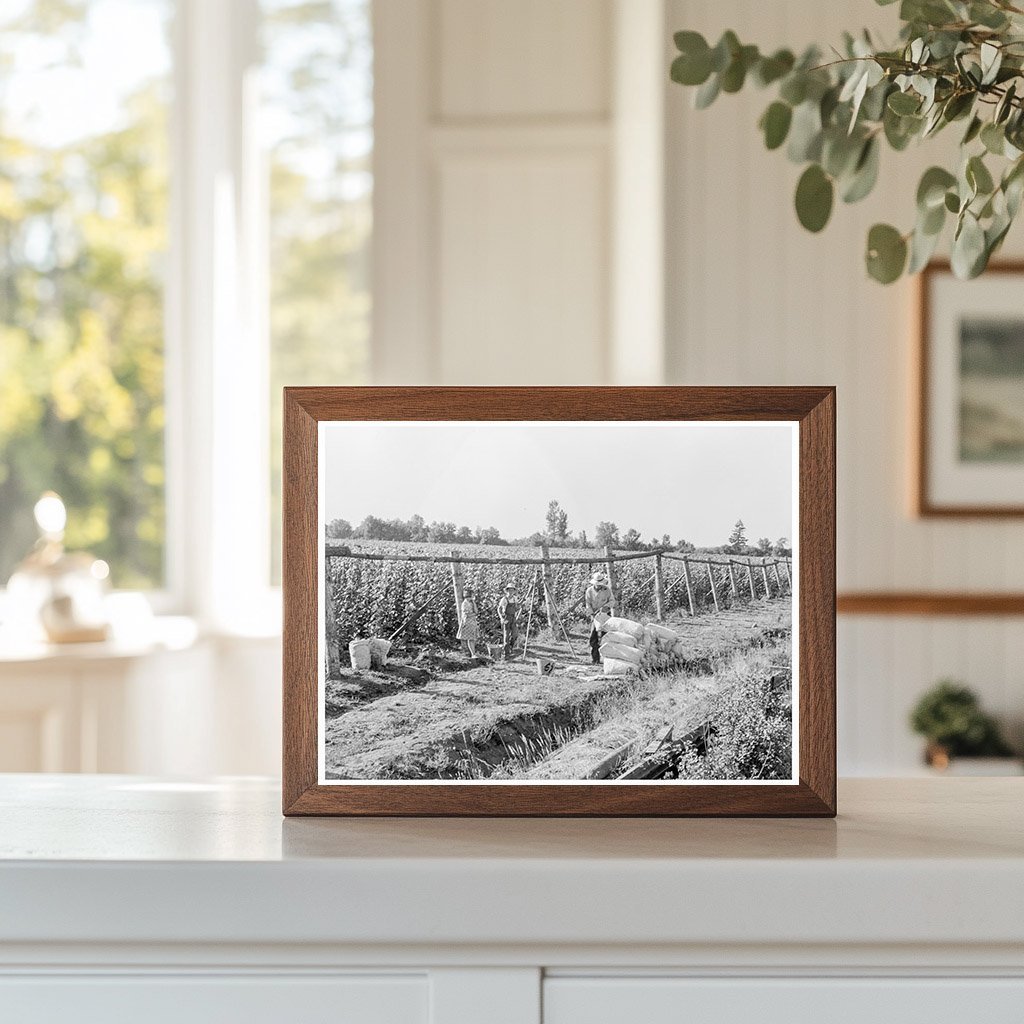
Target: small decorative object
56	595
651	661
951	719
958	65
970	445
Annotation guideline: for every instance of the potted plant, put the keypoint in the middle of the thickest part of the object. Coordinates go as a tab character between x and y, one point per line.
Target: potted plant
956	62
950	718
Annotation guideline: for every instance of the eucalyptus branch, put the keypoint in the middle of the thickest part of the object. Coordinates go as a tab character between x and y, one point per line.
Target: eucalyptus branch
954	60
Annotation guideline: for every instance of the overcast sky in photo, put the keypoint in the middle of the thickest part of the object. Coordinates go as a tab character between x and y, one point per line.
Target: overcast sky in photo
689	480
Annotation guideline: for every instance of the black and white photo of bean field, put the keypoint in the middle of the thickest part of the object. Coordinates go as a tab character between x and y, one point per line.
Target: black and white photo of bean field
991	390
538	602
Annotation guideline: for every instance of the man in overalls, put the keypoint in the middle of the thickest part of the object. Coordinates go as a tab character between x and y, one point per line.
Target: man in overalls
508	613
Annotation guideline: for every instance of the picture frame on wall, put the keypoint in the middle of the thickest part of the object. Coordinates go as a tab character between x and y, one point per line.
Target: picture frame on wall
559	601
969	448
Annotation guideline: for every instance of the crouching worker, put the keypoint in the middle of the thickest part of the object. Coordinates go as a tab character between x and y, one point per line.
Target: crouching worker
598	601
508	613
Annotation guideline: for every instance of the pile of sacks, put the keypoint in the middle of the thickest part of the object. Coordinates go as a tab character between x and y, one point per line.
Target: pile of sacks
628	646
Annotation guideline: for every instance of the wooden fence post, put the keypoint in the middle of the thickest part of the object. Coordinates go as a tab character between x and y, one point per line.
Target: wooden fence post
789	578
659	589
714	588
549	593
458	583
331	638
689	584
750	580
764	573
613	583
732	579
775	573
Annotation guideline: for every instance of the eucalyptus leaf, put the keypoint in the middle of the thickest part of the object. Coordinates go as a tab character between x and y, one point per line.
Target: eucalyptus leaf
987	15
840	152
904	103
707	93
873	107
991	60
691	70
931	190
735	74
886	253
958	105
973	130
922	248
932	221
1013	187
968	247
978	176
900	130
933	122
805	133
993	138
724	51
865	173
771	69
775	124
1005	105
794	88
814	196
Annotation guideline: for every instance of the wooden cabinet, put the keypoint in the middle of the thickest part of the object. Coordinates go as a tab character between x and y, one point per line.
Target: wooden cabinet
596	1000
240	999
127	898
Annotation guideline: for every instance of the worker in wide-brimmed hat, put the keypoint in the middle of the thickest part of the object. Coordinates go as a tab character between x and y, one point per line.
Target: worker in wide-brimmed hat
508	613
598	602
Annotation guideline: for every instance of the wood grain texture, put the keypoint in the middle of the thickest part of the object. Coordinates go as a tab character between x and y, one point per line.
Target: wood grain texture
923	504
812	407
299	597
925	603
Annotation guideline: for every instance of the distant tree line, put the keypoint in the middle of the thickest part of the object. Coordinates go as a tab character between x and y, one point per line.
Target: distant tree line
414	529
556	534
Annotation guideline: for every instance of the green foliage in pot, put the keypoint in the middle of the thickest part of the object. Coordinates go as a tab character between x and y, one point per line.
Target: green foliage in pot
957	62
950	717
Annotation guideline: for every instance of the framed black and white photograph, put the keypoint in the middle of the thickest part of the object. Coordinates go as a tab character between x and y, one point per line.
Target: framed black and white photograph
517	610
970	451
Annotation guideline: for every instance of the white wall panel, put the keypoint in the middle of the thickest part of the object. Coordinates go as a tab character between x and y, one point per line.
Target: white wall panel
754	299
493	206
522	282
525	58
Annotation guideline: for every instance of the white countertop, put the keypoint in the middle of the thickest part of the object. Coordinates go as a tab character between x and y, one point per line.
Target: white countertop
120	859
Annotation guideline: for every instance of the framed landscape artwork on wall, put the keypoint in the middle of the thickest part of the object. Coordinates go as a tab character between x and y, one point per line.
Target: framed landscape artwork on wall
559	601
970	444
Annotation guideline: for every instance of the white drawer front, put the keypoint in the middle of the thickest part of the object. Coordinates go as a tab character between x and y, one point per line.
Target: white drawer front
782	1001
202	999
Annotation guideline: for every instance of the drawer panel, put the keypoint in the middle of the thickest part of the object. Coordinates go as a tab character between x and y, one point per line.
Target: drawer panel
666	1000
202	999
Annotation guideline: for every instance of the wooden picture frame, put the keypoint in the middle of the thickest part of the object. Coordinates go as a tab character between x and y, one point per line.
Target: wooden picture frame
811	792
926	503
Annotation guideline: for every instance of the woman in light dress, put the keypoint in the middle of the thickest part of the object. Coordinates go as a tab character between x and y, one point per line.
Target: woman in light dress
469	626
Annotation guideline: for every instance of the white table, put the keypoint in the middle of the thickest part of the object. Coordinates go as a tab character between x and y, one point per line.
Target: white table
125	898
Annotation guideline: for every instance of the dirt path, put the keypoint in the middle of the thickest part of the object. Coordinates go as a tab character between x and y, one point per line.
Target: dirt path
464	723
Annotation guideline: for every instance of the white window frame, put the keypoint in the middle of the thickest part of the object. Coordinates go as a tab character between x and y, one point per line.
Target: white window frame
216	328
216	352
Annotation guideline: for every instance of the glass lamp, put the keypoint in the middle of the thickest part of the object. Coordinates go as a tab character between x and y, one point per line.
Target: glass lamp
54	595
